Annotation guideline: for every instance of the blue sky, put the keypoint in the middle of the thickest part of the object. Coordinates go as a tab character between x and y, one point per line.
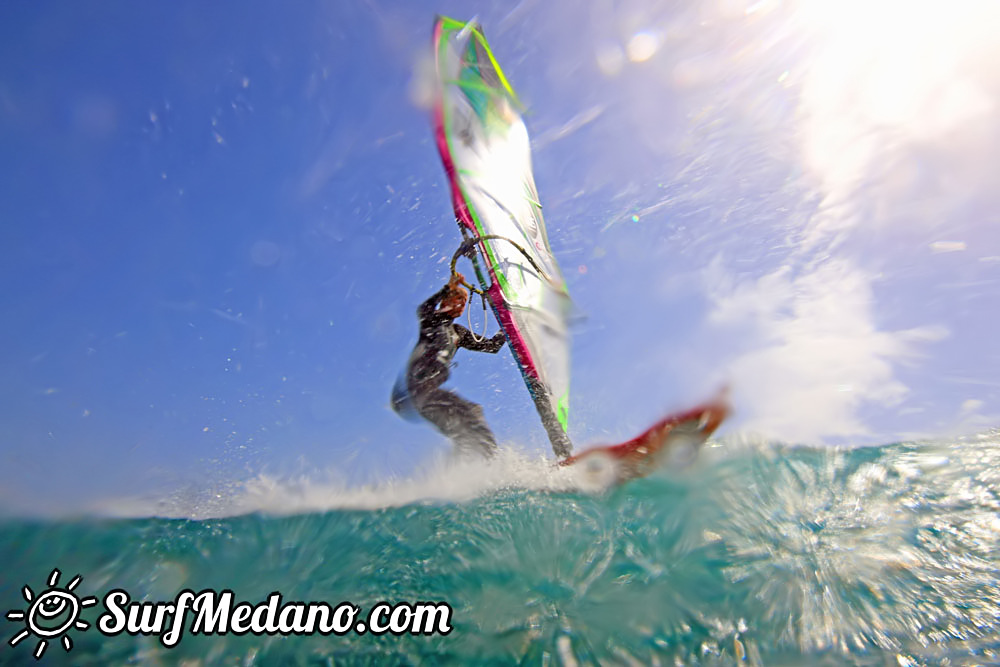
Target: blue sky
219	221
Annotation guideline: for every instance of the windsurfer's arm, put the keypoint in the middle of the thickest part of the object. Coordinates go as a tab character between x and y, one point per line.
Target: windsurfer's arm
426	309
470	341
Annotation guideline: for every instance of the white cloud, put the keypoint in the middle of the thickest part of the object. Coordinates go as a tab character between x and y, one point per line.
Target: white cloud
815	355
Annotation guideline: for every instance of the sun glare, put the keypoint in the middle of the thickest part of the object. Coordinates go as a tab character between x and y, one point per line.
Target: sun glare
893	71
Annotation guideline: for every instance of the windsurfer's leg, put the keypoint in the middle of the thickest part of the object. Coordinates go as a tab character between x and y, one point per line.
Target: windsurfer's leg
460	420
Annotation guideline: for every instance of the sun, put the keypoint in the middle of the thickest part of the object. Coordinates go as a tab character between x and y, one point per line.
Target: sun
51	614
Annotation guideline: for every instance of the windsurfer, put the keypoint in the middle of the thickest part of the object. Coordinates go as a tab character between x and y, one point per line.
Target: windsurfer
429	367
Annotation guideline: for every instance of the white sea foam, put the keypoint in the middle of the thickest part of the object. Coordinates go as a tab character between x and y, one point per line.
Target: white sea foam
444	479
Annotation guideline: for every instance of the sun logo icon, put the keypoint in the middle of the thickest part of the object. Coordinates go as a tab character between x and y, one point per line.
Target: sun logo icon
51	614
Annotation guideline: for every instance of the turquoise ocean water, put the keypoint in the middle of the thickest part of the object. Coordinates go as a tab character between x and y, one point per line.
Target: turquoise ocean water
757	554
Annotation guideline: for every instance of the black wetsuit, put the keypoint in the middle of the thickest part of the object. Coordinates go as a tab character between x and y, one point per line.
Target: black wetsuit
430	365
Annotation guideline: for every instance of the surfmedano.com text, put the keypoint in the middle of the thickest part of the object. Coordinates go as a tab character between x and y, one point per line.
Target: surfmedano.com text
218	613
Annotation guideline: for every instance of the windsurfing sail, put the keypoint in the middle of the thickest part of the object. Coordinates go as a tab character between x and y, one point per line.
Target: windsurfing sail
486	152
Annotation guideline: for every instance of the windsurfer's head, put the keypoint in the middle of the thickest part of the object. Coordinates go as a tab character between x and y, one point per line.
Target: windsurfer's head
454	300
